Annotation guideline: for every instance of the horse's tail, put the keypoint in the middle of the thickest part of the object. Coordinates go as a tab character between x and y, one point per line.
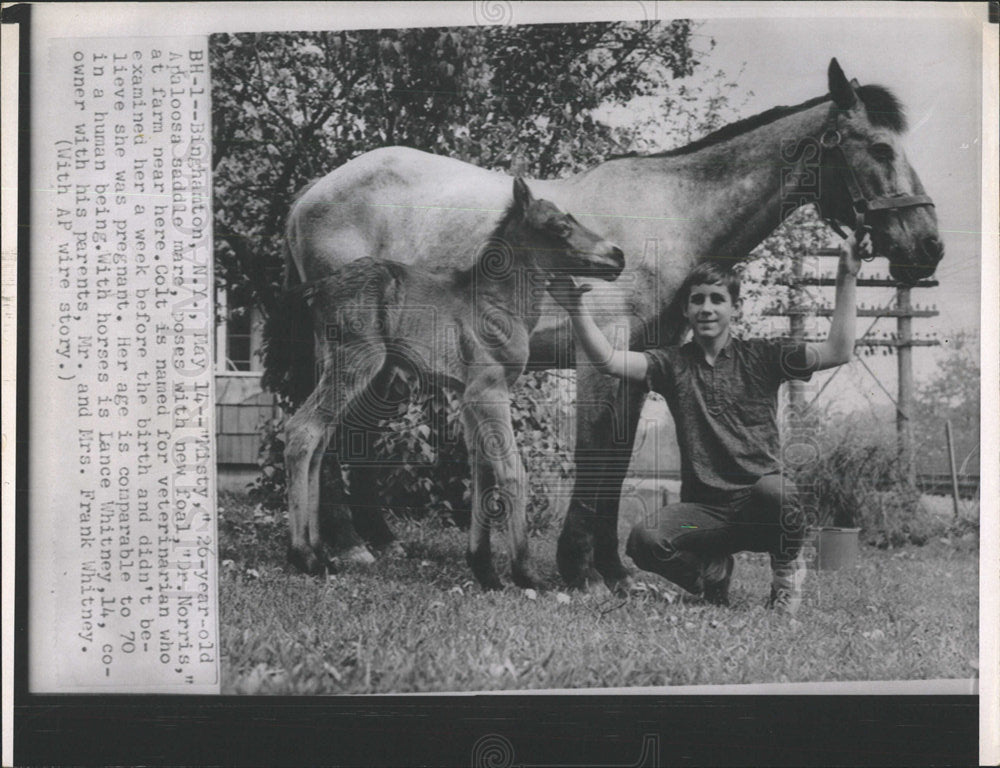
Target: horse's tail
289	346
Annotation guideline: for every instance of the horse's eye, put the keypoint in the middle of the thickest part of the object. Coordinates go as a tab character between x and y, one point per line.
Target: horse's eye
882	152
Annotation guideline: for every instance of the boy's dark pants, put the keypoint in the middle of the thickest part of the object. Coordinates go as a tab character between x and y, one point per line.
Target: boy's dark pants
684	537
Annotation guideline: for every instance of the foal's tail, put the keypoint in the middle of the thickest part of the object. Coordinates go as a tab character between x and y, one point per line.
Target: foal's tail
289	343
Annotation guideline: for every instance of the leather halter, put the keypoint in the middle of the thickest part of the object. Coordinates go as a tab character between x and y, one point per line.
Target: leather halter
830	141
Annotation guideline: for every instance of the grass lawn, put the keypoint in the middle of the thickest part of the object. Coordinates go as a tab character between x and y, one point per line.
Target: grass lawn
418	623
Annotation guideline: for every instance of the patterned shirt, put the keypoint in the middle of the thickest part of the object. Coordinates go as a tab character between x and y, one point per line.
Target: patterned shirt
726	414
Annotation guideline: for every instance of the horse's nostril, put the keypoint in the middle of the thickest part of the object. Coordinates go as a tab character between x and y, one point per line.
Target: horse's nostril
618	255
932	247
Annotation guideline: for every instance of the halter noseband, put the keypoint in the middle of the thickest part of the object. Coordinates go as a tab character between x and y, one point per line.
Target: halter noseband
830	142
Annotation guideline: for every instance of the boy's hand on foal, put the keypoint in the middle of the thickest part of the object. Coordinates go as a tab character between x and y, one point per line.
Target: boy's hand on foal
567	292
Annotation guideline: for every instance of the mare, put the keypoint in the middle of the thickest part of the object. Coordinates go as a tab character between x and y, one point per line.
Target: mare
716	198
377	320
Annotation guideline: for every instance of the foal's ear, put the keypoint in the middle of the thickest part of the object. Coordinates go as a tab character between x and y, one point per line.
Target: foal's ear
841	91
522	195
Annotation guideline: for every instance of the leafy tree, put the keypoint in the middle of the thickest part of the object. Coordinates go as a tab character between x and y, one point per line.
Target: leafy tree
952	394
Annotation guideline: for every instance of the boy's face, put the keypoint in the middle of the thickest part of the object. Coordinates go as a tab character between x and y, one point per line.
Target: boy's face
710	310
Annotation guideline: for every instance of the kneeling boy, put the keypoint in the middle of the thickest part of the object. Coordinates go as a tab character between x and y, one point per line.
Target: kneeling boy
722	392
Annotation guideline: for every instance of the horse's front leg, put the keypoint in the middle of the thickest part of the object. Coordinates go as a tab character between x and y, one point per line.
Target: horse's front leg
607	416
500	491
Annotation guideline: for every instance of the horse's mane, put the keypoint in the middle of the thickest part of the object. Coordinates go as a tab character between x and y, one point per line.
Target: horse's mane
881	105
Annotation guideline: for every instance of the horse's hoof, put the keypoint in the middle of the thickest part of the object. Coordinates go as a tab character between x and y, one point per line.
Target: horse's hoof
487	578
306	561
359	555
592	583
620	587
573	557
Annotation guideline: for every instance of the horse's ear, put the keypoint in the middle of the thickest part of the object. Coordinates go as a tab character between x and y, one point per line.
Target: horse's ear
840	90
522	195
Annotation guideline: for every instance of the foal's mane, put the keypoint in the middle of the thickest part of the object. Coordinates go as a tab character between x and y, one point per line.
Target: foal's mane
510	212
881	105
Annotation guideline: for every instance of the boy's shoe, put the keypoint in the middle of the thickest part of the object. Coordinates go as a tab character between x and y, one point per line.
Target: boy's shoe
717	590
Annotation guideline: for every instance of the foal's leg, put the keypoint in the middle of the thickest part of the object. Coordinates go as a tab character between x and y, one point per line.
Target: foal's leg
487	420
479	555
366	512
360	369
381	400
308	433
306	436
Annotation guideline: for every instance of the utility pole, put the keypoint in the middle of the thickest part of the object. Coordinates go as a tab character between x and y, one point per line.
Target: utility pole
797	327
904	352
904	312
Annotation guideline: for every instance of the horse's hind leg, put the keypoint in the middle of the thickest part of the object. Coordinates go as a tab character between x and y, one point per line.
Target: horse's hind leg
627	409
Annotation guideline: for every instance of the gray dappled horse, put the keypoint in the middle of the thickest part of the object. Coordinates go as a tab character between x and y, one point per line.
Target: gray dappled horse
377	320
716	198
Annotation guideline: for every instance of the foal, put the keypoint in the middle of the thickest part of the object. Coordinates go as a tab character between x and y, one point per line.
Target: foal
376	318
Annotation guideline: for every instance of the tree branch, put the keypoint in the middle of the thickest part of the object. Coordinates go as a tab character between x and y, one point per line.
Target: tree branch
262	92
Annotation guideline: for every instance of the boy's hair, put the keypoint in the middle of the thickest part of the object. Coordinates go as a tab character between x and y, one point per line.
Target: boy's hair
710	273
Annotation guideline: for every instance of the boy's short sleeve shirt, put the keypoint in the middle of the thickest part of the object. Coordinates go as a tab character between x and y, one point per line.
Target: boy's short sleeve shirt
726	414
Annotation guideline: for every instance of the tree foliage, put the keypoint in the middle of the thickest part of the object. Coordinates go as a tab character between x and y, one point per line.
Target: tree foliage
951	393
769	272
289	107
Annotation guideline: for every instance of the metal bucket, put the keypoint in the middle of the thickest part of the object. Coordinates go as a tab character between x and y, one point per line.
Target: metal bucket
836	548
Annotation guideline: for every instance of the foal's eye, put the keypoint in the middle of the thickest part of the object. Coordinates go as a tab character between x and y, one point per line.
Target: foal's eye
882	152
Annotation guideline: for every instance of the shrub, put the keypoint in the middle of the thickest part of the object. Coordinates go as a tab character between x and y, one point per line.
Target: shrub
268	490
858	479
423	465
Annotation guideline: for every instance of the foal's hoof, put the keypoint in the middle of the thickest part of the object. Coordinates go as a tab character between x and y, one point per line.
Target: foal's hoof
306	561
482	568
359	555
491	583
525	578
393	550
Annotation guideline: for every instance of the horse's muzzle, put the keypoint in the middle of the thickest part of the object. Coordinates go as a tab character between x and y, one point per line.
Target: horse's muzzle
615	267
908	272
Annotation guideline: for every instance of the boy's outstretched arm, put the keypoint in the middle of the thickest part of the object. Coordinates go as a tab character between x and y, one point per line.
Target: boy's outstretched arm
622	363
839	345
